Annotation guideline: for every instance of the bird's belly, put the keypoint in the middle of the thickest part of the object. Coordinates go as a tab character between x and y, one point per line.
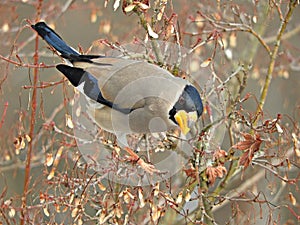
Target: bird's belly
115	121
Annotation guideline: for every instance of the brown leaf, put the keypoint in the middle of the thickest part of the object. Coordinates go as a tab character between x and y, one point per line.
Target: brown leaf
210	173
220	171
191	172
187	195
247	136
245	159
219	154
213	172
205	63
250	145
292	198
243	145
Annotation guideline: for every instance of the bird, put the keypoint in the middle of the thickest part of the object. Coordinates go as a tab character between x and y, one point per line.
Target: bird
126	96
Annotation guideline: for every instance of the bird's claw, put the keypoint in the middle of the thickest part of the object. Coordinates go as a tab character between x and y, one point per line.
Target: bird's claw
145	166
149	168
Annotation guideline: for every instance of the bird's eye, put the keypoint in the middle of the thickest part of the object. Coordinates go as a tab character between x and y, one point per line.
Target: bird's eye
181	101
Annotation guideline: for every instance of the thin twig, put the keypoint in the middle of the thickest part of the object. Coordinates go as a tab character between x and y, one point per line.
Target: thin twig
3	114
283	25
32	125
37	66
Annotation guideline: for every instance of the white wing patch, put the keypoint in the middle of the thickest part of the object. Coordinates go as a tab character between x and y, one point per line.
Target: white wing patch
80	87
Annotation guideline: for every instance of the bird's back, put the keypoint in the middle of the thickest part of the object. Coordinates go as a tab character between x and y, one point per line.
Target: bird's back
132	80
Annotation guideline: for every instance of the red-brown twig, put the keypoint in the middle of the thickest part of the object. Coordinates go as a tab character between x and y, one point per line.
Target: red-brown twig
4	114
35	66
32	123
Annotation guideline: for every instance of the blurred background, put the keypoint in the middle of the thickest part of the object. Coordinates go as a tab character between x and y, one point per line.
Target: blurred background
229	37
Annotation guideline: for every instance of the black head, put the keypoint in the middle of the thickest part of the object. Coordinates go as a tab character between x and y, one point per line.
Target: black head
189	101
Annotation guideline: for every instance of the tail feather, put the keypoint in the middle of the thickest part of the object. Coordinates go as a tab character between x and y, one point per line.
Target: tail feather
54	40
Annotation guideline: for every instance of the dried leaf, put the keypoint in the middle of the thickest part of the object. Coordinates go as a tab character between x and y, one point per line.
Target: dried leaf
279	129
155	213
126	219
219	154
118	211
151	32
102	216
57	208
243	145
74	212
221	43
248	142
49	159
292	198
170	30
7	156
169	198
284	74
179	197
28	138
69	122
246	159
255	73
143	6
94	16
187	195
77	201
101	186
126	198
7	202
221	171
141	198
78	111
106	27
194	66
117	149
65	209
55	163
232	40
205	63
12	213
126	195
5	28
19	144
191	172
160	14
105	3
210	173
79	221
289	165
250	145
228	53
42	198
254	19
46	212
156	189
116	5
129	8
213	172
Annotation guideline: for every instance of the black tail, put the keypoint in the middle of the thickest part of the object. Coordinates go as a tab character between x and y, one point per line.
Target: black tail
55	41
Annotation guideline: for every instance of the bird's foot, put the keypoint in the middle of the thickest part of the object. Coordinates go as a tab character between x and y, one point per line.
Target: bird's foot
149	168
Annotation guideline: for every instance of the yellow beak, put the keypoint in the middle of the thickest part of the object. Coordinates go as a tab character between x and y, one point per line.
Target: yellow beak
183	118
